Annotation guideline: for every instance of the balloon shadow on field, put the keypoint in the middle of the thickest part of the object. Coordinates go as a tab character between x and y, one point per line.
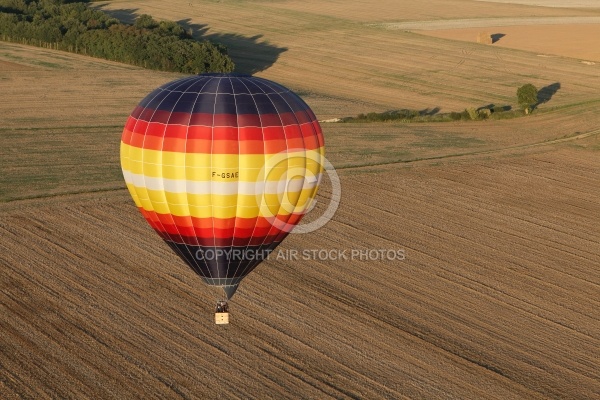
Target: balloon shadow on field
251	54
125	15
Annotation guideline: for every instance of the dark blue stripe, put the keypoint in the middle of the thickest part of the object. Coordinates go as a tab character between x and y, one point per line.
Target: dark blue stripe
215	94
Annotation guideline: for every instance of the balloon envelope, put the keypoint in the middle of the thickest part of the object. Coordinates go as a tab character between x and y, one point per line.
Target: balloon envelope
222	167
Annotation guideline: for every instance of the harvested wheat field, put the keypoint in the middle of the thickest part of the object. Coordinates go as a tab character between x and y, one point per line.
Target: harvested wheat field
462	261
580	41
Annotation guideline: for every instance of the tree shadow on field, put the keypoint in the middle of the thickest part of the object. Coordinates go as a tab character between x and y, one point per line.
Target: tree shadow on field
250	54
494	108
546	93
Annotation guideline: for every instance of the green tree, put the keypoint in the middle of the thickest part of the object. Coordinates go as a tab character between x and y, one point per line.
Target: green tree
527	96
472	113
71	25
145	21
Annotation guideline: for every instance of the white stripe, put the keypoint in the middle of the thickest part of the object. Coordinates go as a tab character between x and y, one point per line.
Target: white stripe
221	188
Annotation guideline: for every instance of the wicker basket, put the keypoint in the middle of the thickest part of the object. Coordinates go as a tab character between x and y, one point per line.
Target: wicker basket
221	318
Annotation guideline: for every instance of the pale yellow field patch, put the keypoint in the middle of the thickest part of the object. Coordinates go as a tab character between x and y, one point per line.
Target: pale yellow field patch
580	41
403	10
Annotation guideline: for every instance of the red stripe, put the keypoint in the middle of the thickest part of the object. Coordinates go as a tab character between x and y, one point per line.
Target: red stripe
180	118
193	241
137	111
220	242
210	232
177	137
221	229
210	131
189	145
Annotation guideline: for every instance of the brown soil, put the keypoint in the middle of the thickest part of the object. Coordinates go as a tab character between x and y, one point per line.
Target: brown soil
496	297
13	66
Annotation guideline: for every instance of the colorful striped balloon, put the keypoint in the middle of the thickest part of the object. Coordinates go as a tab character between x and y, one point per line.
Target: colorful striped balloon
223	167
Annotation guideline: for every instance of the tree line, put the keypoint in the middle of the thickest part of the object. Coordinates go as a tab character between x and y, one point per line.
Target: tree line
528	98
75	27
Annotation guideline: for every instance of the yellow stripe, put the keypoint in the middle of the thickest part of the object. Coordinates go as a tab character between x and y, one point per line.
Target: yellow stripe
204	167
134	196
181	168
221	206
305	199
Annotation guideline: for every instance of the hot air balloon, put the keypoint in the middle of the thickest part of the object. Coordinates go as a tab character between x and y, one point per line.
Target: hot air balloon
222	166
